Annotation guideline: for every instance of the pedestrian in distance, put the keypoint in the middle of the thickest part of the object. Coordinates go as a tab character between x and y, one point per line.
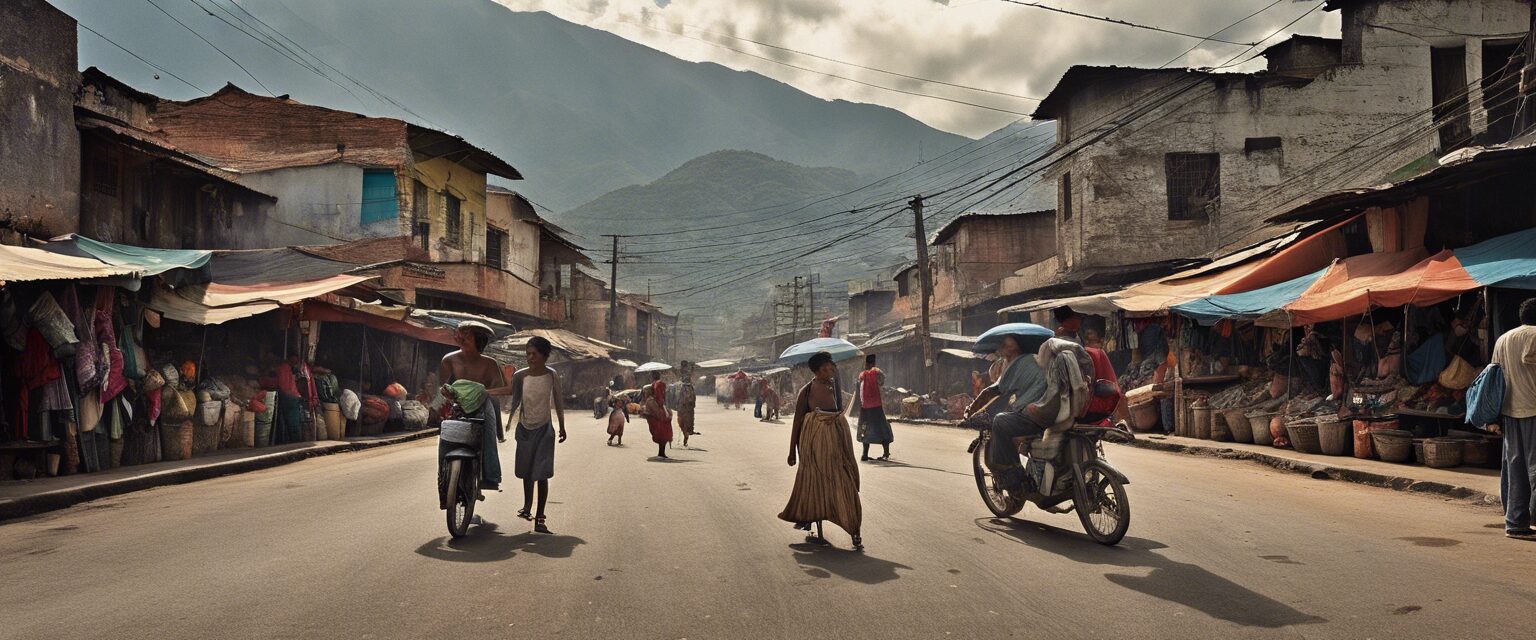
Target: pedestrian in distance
827	482
687	401
656	414
1515	353
535	396
874	428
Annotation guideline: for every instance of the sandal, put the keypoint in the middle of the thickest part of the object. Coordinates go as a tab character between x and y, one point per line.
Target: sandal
523	513
858	543
803	526
538	525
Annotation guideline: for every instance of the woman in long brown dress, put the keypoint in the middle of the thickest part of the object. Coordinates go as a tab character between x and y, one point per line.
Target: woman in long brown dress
827	483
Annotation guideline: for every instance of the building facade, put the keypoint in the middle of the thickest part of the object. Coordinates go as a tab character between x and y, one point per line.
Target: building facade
40	182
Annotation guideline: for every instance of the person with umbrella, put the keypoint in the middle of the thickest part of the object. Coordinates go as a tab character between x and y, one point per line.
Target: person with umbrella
827	482
1021	383
656	413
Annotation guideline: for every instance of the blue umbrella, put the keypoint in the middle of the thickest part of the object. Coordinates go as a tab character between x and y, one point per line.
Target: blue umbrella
798	354
1030	337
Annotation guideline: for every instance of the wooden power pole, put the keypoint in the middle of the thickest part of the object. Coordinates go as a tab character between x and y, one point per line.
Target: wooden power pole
925	282
613	291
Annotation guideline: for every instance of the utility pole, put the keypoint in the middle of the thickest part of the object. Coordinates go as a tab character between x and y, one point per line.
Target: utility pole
925	281
613	290
794	322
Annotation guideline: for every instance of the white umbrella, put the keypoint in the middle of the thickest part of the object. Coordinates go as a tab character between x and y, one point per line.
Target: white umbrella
801	353
652	366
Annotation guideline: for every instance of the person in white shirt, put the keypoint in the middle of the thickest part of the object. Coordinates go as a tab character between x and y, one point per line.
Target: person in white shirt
1515	353
535	396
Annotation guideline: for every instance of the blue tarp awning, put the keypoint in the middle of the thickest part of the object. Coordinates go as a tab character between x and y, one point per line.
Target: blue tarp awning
1248	305
178	267
1506	261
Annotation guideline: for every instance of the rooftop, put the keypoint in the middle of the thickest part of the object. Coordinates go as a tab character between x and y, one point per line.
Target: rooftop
950	228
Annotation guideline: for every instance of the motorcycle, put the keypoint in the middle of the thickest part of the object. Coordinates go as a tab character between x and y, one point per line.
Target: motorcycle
1077	478
459	475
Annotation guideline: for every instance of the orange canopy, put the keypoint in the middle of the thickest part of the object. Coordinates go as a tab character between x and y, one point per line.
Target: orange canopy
1352	286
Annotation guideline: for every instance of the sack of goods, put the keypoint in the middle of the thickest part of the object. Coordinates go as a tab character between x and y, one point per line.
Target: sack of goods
375	410
216	390
416	414
210	412
351	406
395	390
177	405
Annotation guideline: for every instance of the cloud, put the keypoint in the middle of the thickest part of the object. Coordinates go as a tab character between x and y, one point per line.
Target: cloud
987	44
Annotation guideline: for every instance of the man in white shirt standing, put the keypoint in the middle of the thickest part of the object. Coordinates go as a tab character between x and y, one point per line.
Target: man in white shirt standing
1515	353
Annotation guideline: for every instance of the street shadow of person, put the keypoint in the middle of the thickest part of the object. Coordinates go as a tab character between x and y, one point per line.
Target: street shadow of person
486	543
669	460
824	562
903	465
1178	582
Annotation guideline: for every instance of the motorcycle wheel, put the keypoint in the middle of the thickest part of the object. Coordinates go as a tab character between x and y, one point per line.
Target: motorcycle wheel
998	502
1102	505
461	500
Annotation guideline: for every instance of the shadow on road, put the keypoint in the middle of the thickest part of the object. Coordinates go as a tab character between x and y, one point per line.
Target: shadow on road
669	460
485	543
824	562
1178	582
893	463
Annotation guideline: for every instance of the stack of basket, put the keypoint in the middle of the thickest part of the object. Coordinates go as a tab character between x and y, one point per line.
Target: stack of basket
1396	445
1303	433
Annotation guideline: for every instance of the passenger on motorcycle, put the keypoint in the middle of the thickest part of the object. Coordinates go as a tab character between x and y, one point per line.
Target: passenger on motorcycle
1021	383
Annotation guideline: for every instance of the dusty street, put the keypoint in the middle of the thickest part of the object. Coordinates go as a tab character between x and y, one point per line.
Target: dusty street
353	546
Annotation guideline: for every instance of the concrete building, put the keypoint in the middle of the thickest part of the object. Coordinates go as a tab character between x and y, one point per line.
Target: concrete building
40	179
1156	165
138	188
342	176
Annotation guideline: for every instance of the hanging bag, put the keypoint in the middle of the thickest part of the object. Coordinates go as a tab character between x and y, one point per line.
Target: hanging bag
1458	375
1485	398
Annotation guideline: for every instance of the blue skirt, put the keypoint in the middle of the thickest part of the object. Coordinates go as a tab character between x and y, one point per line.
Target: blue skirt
873	427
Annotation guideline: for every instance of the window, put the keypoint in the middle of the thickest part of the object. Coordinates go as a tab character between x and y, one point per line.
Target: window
379	199
1501	88
421	203
1194	185
1448	90
1251	145
453	224
424	235
1066	196
495	246
903	288
106	171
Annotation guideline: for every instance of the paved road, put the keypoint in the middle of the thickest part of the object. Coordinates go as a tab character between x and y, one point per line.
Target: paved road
353	546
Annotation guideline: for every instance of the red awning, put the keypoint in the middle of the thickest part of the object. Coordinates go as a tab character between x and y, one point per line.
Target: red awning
324	312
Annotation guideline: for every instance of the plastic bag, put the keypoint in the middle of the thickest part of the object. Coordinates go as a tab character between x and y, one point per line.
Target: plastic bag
351	407
208	413
169	373
395	390
415	413
215	389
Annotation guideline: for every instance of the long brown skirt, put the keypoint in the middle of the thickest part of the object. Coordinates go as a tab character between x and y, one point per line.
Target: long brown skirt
827	483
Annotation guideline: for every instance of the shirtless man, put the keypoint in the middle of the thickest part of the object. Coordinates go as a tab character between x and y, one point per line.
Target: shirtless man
468	363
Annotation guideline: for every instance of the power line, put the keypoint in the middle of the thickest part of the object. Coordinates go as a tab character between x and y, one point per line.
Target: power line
860	66
140	58
1207	39
831	75
211	44
1124	23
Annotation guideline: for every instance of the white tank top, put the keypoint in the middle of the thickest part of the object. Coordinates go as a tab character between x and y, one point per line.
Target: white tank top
538	401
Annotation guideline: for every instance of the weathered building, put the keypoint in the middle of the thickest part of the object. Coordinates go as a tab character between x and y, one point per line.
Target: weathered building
138	188
340	175
974	251
1162	164
40	178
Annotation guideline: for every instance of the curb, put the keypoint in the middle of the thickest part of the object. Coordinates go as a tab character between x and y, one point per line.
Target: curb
61	498
1328	472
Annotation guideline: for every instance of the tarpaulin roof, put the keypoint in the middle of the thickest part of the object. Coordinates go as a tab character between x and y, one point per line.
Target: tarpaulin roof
573	346
145	261
215	303
25	264
715	364
1277	260
326	312
1354	285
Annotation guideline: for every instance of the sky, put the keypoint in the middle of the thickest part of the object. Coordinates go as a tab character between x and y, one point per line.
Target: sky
994	45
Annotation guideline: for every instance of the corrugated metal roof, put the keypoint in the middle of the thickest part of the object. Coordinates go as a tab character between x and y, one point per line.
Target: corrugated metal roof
949	228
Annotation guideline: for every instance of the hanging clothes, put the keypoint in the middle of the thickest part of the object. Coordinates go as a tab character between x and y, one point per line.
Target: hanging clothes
106	334
38	370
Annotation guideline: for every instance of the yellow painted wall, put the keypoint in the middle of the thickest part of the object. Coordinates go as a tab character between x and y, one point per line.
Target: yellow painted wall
440	175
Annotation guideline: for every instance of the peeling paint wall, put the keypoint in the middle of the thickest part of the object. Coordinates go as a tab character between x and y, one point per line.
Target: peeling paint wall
40	178
1119	184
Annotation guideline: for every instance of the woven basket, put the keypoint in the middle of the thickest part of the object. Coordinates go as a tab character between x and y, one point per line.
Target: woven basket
175	440
1418	450
1333	437
1476	452
1303	434
1393	445
1220	432
1145	415
1442	453
1202	421
1238	425
1259	426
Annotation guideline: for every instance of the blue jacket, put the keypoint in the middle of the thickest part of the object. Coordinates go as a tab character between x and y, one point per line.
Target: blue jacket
1485	398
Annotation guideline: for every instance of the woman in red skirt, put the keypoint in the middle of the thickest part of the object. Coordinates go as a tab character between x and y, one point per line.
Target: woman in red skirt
657	415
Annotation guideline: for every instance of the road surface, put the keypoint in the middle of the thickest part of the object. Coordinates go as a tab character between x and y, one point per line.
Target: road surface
353	546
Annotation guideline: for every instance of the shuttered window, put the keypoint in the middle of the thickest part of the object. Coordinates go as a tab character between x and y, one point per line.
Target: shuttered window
453	224
379	199
495	248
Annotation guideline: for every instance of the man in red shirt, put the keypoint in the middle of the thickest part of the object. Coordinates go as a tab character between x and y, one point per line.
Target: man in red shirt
874	428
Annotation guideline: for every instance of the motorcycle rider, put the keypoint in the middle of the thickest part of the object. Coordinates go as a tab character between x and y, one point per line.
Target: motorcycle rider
1021	384
468	363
